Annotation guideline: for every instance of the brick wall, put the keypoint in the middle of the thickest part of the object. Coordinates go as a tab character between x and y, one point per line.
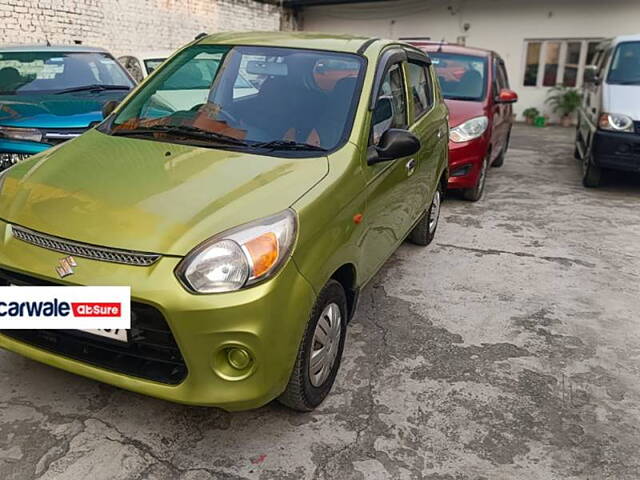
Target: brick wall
125	25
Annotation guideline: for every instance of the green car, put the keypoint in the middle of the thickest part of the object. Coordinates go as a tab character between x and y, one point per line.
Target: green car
246	219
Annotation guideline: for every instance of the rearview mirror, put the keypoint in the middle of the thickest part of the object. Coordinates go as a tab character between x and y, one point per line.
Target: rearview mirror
394	143
507	96
590	75
109	107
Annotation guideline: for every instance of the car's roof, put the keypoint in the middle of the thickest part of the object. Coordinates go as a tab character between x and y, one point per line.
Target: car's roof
627	38
149	54
312	41
52	48
432	47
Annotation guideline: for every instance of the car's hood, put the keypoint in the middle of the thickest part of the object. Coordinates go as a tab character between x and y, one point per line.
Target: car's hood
462	110
623	99
55	111
149	196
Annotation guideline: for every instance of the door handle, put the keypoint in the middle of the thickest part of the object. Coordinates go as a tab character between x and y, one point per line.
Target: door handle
410	166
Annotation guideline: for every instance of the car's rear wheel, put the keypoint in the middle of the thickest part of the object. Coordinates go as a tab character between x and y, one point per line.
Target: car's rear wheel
591	174
474	194
320	351
424	232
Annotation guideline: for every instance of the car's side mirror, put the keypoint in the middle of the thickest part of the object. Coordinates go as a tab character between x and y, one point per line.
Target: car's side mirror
507	96
109	107
394	143
590	75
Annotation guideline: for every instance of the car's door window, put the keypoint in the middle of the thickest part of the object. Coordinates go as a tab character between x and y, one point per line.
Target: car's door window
503	80
420	89
391	104
133	67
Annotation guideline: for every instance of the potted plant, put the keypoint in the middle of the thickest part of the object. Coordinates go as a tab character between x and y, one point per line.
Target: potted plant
530	114
564	101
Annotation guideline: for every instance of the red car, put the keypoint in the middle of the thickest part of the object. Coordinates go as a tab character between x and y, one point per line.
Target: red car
476	90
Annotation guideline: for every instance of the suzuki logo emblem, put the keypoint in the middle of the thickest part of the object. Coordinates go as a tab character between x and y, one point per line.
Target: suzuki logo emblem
65	266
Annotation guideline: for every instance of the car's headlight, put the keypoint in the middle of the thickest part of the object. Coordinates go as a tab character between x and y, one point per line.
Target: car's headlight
29	134
469	130
240	257
615	122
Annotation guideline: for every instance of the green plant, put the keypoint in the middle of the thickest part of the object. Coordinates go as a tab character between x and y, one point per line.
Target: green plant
564	100
531	113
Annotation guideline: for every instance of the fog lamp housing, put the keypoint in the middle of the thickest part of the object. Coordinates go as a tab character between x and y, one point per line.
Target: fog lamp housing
233	362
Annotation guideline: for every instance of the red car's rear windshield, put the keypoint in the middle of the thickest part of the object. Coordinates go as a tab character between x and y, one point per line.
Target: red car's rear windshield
462	77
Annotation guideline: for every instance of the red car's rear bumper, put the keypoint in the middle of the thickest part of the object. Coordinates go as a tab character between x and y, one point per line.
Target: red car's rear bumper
465	162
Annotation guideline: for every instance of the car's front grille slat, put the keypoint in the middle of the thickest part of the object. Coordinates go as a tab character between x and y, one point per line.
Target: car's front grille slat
50	242
151	353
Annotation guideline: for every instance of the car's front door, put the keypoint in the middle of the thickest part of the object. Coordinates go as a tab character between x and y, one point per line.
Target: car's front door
430	126
501	111
389	212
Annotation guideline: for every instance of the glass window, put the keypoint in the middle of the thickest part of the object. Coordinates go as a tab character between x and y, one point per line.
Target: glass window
551	59
152	63
533	63
53	72
391	105
247	97
133	67
462	77
571	64
592	52
420	89
625	65
503	79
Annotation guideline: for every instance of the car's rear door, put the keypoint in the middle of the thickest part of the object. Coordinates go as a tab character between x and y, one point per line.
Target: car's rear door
389	212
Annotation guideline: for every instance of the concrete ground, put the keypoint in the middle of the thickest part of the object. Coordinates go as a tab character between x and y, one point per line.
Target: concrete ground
508	349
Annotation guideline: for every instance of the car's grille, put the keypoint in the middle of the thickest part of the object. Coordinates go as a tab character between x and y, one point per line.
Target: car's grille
151	353
104	254
54	136
9	159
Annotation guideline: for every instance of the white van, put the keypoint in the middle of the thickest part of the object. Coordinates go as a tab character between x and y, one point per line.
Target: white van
608	133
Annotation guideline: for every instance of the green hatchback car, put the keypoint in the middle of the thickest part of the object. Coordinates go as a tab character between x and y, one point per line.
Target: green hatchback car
246	219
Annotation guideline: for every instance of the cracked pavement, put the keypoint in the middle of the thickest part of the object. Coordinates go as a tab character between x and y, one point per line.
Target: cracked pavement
508	349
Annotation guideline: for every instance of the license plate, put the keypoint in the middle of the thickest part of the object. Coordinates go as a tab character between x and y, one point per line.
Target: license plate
119	334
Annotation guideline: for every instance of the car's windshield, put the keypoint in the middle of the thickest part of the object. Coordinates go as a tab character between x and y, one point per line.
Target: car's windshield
462	77
261	97
51	72
625	65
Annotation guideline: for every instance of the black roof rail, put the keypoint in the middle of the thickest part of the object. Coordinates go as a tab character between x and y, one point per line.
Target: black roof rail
201	35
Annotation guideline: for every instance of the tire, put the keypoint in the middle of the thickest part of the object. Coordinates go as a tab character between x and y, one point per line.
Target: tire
498	162
474	194
591	174
305	391
424	232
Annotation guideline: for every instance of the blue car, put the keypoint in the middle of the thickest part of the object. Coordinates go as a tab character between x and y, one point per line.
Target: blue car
52	94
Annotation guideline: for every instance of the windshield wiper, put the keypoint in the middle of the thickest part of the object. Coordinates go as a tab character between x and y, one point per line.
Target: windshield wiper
183	130
288	145
96	86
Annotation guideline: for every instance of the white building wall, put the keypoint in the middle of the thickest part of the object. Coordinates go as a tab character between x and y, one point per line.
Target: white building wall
123	26
500	25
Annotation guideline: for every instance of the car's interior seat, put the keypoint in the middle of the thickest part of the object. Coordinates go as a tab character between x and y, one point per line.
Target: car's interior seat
471	84
10	79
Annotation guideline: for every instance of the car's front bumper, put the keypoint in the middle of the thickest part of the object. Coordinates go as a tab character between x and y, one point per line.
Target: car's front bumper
268	320
618	151
465	162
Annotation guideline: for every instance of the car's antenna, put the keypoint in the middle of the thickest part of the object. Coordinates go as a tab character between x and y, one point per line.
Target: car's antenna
440	45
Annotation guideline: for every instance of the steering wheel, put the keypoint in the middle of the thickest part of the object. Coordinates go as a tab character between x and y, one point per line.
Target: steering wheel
222	113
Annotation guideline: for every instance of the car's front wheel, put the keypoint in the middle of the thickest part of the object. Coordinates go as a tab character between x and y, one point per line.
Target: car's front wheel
320	351
424	232
474	194
591	174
